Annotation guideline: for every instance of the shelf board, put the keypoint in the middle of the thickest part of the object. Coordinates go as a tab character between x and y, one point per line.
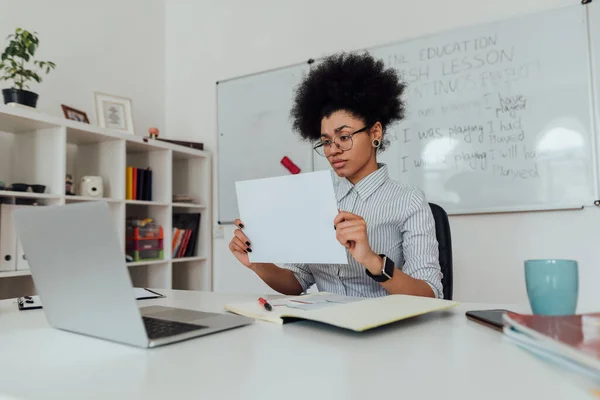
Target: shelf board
188	205
146	203
148	262
22	120
139	145
184	153
82	133
29	195
12	274
187	259
76	199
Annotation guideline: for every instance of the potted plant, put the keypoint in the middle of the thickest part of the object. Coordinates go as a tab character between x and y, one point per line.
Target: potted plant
21	49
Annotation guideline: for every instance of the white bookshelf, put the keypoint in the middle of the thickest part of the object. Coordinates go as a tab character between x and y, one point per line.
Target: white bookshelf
36	148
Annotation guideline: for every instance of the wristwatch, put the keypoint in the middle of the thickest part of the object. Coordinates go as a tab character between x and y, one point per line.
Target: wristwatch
386	273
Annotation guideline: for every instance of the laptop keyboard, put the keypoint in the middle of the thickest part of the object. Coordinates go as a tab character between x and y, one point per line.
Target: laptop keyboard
160	328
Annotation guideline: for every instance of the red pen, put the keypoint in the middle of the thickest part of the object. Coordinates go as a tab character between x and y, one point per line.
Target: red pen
265	304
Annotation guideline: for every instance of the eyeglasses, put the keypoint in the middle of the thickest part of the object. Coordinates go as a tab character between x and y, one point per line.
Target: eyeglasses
343	142
22	187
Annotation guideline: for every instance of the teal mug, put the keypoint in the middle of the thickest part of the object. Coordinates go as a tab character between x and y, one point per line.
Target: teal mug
552	286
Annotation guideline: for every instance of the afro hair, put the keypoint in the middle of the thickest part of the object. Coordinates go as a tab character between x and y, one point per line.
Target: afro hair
356	83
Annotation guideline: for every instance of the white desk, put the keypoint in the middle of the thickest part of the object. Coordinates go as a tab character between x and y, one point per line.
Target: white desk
437	356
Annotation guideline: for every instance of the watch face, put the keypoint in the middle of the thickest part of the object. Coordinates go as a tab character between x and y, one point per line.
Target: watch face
386	272
388	268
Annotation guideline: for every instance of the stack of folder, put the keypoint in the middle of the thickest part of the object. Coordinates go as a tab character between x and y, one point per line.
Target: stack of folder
572	341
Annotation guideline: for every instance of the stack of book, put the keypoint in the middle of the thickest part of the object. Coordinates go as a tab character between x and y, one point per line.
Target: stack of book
185	234
572	341
139	184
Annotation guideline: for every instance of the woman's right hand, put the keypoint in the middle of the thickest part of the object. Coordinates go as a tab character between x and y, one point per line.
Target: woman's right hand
240	245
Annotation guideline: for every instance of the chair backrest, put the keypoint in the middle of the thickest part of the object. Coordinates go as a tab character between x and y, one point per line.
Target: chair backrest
442	232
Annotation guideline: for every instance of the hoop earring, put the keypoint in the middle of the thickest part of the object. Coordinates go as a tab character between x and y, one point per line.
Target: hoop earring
376	143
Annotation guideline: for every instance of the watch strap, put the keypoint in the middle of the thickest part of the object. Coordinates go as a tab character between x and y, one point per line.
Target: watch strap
386	273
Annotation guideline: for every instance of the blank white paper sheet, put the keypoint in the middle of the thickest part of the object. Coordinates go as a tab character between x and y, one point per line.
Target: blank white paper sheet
289	219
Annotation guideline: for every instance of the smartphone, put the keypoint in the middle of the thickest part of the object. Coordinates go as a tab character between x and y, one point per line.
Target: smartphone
489	318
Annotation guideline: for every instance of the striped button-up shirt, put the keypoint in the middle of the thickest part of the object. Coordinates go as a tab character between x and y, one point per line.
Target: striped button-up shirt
399	224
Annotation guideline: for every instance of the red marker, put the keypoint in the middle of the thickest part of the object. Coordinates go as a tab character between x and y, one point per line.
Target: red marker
293	168
265	304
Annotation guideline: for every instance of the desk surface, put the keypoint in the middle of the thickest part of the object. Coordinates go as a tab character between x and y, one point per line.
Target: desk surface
436	356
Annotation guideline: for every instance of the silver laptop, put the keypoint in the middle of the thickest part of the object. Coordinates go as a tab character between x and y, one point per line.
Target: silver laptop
80	274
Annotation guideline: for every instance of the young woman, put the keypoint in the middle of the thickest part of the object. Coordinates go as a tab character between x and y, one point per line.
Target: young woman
344	106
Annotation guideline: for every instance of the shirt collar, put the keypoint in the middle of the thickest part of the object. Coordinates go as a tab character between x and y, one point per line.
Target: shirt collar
365	187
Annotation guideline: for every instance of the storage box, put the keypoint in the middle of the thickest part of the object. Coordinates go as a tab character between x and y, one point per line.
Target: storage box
145	242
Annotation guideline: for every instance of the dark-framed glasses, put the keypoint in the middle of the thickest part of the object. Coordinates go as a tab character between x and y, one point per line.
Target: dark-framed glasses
23	187
343	142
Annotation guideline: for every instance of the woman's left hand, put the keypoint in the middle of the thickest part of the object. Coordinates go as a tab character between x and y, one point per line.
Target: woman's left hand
351	232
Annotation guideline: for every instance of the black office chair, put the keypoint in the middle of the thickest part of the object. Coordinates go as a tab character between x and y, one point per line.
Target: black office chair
442	233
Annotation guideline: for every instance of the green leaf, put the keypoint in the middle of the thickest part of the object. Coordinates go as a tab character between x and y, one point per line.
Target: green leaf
21	48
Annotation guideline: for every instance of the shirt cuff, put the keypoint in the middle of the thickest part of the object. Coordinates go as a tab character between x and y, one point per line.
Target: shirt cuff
436	292
304	279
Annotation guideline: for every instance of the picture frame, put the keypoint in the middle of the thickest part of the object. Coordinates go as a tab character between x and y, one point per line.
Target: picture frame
114	112
74	114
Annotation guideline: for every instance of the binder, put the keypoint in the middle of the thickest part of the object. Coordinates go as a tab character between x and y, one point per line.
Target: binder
8	239
134	184
22	264
149	189
129	184
141	185
147	184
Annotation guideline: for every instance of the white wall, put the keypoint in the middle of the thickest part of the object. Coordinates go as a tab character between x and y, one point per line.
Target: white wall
111	46
213	40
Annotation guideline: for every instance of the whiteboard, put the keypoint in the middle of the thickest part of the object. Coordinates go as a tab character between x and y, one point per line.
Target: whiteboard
499	116
593	10
255	131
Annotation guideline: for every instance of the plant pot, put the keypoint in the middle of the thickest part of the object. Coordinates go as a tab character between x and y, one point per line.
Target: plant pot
24	97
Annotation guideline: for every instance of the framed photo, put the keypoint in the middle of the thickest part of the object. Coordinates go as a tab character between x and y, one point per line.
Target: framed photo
114	112
75	115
